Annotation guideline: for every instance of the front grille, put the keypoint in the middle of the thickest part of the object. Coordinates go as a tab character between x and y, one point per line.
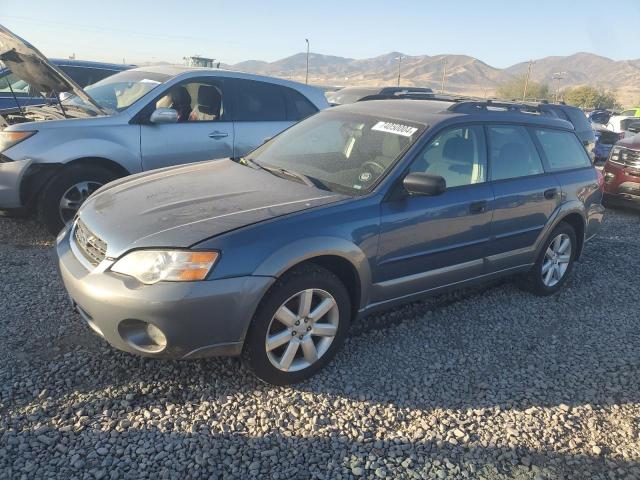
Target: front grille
628	158
92	247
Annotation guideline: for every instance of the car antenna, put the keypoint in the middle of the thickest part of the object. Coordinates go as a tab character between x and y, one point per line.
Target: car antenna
6	78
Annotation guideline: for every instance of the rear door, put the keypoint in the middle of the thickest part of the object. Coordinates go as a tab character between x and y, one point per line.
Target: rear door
261	113
204	131
525	196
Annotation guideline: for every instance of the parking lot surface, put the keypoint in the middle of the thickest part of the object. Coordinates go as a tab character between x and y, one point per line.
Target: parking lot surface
491	383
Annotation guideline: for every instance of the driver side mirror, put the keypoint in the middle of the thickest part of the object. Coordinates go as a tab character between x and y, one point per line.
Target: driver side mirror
164	115
634	127
424	184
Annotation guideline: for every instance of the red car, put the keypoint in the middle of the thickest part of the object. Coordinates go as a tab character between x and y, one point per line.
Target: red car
622	173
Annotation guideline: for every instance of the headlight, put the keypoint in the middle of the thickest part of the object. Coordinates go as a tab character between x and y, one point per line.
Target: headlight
152	266
8	138
615	154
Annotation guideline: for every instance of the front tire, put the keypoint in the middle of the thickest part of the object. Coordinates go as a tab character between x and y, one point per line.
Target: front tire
66	191
554	263
299	326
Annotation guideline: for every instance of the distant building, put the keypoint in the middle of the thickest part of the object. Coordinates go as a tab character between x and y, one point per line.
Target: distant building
198	61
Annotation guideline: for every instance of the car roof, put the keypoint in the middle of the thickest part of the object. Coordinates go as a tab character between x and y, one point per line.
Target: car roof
433	111
91	64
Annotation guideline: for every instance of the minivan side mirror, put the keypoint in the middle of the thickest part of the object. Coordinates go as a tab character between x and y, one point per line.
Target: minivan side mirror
424	184
634	127
164	115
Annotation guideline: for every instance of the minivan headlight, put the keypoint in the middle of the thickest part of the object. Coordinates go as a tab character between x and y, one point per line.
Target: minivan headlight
8	138
152	266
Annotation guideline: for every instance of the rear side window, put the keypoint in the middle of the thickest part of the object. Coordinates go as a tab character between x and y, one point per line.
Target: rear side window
512	153
298	107
578	119
260	102
562	149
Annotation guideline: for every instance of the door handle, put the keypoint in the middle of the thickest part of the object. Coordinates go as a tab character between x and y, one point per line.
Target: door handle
218	135
478	207
551	193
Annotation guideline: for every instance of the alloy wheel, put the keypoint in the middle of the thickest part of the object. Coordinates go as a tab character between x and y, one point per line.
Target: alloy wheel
74	197
556	260
302	329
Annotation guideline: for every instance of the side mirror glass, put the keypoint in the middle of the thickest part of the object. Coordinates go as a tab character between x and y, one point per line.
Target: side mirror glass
424	184
164	115
634	127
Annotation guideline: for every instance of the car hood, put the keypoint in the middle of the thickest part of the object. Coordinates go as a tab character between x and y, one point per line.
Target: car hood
630	142
181	206
28	64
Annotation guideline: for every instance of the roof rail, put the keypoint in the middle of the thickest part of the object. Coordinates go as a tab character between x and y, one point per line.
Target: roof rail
490	106
415	96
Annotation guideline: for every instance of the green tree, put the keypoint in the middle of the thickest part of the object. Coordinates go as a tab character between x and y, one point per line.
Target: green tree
514	89
590	97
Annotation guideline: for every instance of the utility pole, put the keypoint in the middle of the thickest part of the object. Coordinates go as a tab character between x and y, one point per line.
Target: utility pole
444	73
306	79
399	63
526	80
558	76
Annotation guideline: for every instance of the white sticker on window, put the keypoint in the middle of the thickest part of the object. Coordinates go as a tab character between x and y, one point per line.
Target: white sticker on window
395	128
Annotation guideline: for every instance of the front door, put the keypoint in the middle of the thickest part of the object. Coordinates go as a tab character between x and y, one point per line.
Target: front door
428	242
204	130
525	196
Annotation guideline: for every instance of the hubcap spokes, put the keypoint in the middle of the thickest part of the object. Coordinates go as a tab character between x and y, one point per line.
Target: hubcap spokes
556	260
297	340
74	197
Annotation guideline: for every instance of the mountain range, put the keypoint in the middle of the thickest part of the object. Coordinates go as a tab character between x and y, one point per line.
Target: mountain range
464	74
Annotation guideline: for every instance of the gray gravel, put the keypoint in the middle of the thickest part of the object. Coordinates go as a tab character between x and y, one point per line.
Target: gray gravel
490	384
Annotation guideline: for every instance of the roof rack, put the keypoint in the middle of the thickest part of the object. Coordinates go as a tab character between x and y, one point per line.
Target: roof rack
416	96
489	106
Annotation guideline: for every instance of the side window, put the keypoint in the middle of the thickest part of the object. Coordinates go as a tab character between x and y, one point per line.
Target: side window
512	153
562	149
196	101
298	107
458	155
260	102
20	87
82	76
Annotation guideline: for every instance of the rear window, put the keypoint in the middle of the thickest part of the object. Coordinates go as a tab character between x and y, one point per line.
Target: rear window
562	149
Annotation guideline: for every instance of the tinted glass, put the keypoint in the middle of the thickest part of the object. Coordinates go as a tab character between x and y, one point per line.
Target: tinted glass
578	118
339	151
562	149
82	76
298	107
512	153
458	155
260	102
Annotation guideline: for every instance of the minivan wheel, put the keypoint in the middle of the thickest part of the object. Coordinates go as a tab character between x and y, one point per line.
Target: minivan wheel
66	191
555	262
298	327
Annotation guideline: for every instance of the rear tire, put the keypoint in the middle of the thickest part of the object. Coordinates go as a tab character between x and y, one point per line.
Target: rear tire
297	344
75	183
554	264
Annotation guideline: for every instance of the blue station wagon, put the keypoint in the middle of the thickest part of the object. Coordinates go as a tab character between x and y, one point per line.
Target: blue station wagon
355	209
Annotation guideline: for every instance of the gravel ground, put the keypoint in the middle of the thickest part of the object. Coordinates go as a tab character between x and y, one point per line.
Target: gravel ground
490	384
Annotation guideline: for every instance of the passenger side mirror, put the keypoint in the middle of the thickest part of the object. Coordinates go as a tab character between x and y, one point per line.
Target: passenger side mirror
424	184
164	115
634	127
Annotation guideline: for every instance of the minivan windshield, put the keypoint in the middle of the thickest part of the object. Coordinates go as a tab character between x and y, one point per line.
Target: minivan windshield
338	150
119	91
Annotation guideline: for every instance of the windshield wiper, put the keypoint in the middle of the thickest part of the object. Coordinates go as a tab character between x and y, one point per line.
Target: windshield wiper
283	172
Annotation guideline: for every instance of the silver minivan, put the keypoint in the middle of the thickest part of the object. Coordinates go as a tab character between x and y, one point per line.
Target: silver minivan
53	157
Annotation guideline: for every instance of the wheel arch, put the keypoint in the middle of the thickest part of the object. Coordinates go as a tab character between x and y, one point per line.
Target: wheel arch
341	257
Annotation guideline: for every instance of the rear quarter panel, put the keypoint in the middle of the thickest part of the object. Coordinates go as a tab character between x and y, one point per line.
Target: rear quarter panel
580	192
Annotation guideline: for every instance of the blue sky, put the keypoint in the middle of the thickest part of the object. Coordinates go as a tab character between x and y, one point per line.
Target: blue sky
499	32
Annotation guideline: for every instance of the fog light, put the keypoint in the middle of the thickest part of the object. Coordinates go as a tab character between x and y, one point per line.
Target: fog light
142	336
608	177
